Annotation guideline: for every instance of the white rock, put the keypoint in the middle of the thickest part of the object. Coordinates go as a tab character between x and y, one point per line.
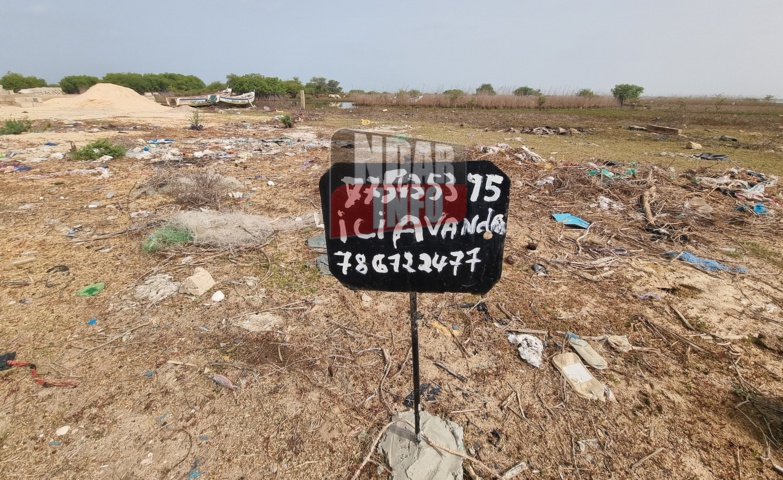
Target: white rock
56	156
270	183
218	296
198	283
62	431
261	322
693	146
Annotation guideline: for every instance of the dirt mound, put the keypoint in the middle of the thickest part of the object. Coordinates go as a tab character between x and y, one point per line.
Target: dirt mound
106	96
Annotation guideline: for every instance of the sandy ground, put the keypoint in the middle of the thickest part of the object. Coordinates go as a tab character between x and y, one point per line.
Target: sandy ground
316	388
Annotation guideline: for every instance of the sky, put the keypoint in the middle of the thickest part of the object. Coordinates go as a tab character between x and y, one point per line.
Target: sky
669	47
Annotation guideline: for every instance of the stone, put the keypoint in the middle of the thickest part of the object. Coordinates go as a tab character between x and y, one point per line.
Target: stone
62	431
261	322
693	146
412	460
197	284
218	296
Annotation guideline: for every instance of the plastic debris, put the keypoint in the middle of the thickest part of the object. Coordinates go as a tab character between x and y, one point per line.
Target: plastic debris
91	290
711	156
586	351
92	321
223	381
540	269
530	348
427	393
160	141
582	381
647	296
705	263
619	343
570	220
194	473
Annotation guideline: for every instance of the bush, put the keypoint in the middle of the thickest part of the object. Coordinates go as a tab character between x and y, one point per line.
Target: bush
624	92
586	93
78	83
15	127
527	91
16	82
97	149
485	89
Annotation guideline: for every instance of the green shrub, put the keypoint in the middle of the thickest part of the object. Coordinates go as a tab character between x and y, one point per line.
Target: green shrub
97	149
77	83
166	237
15	127
15	81
527	91
585	92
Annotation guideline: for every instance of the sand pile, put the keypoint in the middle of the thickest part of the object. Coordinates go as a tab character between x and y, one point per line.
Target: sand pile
106	96
103	100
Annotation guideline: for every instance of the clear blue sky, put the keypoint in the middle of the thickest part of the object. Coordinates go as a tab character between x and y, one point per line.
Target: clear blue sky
670	47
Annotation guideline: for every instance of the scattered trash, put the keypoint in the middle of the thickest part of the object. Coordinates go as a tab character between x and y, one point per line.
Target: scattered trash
149	373
427	393
54	443
198	283
759	208
156	288
165	237
530	348
619	343
570	220
711	156
194	473
7	360
91	290
550	180
699	204
583	382
540	269
223	381
218	296
160	141
586	351
93	321
704	263
647	296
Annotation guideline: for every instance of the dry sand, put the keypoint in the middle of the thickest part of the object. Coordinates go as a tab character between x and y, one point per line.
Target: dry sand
101	101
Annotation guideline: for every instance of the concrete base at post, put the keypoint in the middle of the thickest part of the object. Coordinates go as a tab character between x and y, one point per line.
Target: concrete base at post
412	460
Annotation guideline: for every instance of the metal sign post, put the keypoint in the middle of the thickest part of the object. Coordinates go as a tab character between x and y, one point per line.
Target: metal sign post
415	349
411	215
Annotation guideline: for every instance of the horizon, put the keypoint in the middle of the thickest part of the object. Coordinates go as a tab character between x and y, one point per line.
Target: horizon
669	48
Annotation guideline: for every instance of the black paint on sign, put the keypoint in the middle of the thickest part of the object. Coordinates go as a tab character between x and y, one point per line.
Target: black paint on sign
409	215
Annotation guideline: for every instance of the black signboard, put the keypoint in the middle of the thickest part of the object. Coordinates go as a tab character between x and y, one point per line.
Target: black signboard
410	215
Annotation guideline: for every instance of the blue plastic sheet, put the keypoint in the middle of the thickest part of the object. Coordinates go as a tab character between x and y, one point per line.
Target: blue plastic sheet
705	263
570	220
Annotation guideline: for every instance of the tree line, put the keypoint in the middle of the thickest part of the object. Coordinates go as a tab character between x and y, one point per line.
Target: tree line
263	86
180	84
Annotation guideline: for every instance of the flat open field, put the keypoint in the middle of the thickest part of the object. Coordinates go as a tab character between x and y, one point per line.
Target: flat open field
321	368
